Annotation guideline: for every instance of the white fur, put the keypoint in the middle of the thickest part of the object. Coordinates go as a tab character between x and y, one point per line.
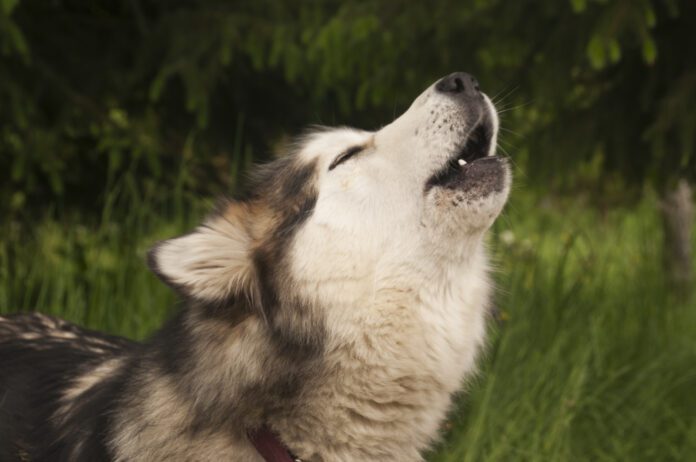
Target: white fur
211	263
400	274
406	299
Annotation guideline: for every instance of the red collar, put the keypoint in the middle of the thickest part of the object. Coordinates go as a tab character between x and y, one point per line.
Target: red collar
269	446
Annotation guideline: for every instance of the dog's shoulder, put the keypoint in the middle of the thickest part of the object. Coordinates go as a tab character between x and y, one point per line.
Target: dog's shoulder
46	363
40	331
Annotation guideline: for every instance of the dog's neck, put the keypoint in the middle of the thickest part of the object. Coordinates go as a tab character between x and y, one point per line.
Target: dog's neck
392	377
378	393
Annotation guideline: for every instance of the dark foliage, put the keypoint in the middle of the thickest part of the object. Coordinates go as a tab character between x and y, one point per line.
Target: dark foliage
160	95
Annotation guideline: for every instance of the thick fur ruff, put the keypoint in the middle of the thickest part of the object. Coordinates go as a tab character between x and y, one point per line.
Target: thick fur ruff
341	304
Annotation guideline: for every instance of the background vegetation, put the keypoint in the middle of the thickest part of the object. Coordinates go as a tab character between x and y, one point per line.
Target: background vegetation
120	120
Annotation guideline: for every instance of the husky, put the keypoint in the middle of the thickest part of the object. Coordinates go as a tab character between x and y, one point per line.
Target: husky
333	311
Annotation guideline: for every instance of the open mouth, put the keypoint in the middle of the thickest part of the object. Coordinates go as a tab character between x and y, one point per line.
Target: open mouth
477	147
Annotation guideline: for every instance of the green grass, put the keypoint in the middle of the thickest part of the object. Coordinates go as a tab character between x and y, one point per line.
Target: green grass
592	358
95	274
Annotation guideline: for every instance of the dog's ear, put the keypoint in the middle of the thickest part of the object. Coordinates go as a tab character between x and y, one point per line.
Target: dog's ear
213	263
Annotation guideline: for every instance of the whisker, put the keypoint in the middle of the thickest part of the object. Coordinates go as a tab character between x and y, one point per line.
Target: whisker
512	132
512	108
504	151
511	159
494	97
509	144
498	98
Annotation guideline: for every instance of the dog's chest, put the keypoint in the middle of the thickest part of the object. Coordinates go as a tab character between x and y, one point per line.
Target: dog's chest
390	386
453	329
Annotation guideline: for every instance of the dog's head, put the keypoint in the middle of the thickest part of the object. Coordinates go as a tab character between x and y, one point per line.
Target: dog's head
348	211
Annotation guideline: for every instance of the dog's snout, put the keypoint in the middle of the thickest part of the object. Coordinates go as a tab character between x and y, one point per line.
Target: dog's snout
459	83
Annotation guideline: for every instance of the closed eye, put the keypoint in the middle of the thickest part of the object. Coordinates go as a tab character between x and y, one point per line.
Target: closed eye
345	155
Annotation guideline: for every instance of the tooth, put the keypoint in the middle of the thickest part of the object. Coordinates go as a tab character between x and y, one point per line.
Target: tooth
461	162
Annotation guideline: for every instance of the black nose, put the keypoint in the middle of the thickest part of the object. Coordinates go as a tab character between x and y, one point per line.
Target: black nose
458	82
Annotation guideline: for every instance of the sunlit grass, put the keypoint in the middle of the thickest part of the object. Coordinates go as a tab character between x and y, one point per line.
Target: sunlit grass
593	359
590	357
94	274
